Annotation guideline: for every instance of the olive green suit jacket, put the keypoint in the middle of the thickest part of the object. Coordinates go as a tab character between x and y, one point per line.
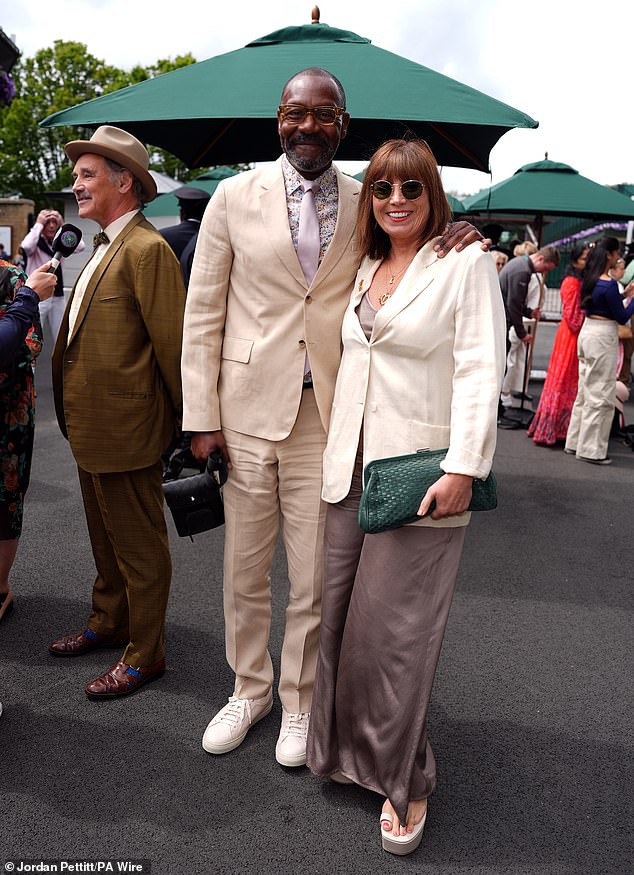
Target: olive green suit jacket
116	379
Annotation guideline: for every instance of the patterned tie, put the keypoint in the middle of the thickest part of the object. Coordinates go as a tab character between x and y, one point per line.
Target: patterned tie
308	243
100	238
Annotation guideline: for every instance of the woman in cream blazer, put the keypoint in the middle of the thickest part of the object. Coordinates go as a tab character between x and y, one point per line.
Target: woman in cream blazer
423	361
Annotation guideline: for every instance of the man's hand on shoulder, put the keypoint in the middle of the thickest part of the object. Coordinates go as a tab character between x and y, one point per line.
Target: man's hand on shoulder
204	443
458	235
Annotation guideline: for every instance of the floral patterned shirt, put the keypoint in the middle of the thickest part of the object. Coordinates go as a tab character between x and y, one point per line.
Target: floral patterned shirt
326	201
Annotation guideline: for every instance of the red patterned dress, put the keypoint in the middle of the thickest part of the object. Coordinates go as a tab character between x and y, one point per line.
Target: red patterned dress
550	423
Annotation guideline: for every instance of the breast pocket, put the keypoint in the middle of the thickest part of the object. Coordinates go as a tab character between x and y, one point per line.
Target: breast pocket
113	301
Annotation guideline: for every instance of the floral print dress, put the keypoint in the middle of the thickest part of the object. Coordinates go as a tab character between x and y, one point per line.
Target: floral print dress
17	418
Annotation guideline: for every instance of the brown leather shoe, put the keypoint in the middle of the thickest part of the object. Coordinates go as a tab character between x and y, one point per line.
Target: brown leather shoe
122	679
81	642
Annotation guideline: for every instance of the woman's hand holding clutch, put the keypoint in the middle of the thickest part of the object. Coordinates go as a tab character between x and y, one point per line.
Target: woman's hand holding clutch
449	496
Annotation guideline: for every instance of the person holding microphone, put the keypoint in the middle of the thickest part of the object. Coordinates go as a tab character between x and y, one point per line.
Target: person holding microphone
20	343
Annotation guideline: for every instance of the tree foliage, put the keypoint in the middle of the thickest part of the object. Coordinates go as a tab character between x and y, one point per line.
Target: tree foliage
32	159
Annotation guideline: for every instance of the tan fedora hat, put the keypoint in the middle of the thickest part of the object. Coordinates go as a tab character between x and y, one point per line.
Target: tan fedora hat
119	146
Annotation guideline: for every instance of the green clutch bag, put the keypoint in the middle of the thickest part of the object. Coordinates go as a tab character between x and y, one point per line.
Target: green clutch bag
394	488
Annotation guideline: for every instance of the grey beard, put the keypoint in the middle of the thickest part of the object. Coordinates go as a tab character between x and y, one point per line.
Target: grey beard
310	165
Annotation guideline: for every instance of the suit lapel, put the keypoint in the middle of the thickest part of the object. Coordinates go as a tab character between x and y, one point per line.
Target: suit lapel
101	268
275	218
344	229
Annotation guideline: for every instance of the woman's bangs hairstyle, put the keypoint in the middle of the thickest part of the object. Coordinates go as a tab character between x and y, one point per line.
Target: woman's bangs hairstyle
401	159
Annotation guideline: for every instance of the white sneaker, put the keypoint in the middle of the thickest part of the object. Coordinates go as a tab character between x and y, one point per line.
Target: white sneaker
229	727
290	749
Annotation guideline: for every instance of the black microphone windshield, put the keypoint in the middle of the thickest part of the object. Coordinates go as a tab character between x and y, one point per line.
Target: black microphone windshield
66	241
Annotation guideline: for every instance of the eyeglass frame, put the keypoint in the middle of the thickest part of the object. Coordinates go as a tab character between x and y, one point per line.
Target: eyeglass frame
283	107
394	185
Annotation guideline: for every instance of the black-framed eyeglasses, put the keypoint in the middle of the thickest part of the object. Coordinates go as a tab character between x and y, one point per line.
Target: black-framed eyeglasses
382	189
295	113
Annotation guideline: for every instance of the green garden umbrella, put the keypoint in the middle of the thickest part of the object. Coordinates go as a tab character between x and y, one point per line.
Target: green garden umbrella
167	204
457	207
221	111
547	188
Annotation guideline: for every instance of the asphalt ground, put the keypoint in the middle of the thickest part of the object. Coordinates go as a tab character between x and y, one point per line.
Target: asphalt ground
531	716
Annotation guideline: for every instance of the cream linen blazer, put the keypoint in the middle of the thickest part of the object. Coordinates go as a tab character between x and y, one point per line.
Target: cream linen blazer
430	375
250	315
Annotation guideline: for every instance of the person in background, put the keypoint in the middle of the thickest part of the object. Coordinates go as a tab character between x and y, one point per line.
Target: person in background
628	273
192	203
514	281
423	359
514	379
20	343
500	258
37	249
598	346
626	337
552	417
617	273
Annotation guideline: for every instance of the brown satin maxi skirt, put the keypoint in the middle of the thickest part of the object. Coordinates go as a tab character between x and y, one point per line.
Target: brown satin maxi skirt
386	601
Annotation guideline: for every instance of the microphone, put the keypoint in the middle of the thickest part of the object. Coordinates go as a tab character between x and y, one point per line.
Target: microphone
65	242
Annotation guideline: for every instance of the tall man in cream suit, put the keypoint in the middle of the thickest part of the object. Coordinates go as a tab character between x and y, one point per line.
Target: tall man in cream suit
116	378
261	349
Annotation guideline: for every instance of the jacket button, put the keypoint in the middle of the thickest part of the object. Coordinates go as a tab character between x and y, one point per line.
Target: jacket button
308	299
301	343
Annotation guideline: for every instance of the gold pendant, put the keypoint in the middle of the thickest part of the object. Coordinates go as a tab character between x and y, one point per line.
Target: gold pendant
385	297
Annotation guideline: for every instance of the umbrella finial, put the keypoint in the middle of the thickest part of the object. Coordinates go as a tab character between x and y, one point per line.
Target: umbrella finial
546	155
315	15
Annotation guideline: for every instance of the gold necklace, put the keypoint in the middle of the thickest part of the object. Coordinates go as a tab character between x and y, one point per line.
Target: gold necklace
389	284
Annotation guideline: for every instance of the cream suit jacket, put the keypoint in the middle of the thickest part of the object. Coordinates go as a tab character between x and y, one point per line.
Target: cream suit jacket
430	375
250	315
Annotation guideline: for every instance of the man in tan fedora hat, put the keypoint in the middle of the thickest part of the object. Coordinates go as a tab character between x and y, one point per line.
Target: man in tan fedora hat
116	379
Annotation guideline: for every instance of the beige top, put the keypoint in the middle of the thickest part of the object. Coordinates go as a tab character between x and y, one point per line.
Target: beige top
367	314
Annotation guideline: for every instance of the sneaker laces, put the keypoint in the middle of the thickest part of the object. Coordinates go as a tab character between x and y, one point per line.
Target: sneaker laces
297	724
233	713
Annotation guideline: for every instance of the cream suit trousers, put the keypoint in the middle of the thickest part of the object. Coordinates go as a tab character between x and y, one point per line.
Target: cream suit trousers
593	410
273	484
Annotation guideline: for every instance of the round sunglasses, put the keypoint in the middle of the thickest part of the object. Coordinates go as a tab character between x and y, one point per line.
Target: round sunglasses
382	189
